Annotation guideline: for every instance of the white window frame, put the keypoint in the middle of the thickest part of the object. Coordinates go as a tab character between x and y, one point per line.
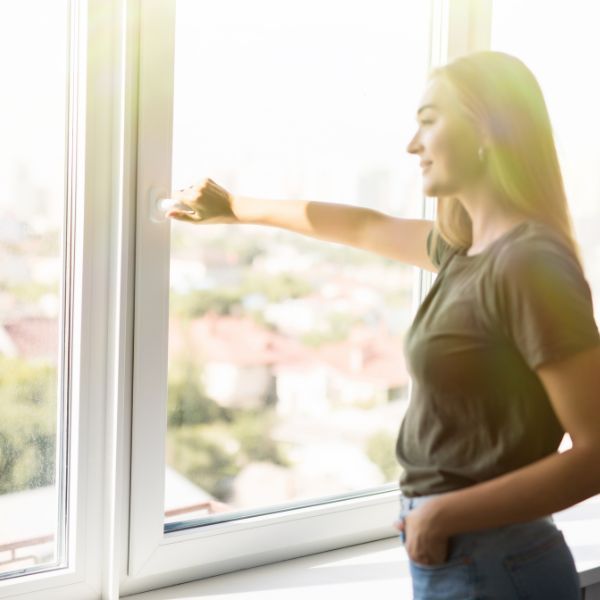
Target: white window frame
92	188
156	558
116	544
457	27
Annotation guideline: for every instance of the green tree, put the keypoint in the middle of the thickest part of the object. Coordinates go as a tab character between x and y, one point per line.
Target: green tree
28	425
381	451
188	403
339	326
222	301
252	430
203	458
212	454
276	288
229	300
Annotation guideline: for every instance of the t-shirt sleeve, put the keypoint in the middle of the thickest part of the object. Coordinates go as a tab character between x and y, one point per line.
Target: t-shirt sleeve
545	303
438	249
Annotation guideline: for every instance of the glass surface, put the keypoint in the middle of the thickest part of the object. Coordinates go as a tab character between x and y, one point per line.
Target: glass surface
287	382
559	42
33	103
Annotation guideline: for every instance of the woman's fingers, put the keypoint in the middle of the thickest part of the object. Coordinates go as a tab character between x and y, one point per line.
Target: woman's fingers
181	215
206	202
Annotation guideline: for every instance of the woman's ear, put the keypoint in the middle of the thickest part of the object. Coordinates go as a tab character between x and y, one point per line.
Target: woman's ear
483	149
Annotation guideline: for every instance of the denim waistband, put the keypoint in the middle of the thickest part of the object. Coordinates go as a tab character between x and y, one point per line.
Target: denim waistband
407	504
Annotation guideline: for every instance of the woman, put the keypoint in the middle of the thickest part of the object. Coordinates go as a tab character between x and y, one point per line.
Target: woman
504	352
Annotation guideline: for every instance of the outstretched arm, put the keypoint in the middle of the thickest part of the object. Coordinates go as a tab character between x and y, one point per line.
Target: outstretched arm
364	228
401	239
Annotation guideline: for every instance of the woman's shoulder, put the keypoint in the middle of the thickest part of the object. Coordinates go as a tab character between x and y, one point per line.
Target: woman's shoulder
534	247
438	249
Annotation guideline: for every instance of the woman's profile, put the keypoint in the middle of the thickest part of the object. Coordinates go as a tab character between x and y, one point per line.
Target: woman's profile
504	351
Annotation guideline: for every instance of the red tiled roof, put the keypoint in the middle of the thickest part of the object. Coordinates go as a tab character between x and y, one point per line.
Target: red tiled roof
241	341
238	340
34	337
380	356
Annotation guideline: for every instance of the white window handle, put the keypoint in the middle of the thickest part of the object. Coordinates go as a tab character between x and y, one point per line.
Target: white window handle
160	204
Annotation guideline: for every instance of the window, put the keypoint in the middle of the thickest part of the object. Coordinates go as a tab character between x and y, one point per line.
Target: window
56	173
35	295
269	380
282	350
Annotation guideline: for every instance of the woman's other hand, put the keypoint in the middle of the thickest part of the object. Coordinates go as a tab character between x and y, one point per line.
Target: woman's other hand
205	202
424	544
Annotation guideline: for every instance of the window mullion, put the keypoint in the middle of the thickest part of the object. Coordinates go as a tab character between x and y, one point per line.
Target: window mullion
457	27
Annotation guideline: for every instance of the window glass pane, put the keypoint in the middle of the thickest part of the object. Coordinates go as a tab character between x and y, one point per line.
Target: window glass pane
286	380
33	102
565	70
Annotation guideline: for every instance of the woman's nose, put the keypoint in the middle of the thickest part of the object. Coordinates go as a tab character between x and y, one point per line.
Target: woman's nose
414	146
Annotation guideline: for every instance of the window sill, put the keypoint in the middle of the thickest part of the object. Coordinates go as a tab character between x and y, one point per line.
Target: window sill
376	569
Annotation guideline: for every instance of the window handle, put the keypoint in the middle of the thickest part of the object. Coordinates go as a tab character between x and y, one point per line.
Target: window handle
160	204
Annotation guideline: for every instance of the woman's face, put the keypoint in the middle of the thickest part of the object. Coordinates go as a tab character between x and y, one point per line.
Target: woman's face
446	142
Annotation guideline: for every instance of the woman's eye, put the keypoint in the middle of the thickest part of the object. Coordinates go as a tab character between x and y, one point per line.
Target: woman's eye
426	121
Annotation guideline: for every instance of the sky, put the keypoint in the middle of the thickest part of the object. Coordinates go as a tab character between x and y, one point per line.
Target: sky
287	97
326	78
33	71
296	96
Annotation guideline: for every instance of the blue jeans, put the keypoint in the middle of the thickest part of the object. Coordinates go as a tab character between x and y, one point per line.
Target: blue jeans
521	561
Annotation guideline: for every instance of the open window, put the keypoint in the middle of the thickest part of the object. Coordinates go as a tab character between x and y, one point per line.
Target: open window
269	377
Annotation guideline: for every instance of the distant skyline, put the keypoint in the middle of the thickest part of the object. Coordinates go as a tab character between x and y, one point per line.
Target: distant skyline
306	98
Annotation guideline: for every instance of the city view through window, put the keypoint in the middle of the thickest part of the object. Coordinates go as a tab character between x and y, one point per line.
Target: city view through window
33	106
287	379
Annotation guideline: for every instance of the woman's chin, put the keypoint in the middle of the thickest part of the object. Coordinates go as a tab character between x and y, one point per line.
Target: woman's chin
433	190
430	191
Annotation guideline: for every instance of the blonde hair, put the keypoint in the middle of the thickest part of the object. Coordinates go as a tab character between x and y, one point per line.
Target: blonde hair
505	103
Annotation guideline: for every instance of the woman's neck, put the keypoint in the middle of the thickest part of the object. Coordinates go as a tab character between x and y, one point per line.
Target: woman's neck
489	219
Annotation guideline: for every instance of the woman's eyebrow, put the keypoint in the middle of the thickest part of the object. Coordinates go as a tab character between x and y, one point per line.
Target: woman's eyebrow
425	106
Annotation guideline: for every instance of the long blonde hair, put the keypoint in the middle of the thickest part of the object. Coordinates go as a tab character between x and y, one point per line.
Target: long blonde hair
505	102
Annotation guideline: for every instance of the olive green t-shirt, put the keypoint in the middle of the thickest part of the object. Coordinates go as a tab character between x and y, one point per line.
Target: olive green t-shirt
478	408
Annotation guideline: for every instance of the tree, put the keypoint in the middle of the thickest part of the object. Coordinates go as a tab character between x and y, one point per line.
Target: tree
188	403
202	458
381	451
229	300
210	444
28	426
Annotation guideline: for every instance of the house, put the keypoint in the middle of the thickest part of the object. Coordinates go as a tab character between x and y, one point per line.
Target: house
246	365
31	338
